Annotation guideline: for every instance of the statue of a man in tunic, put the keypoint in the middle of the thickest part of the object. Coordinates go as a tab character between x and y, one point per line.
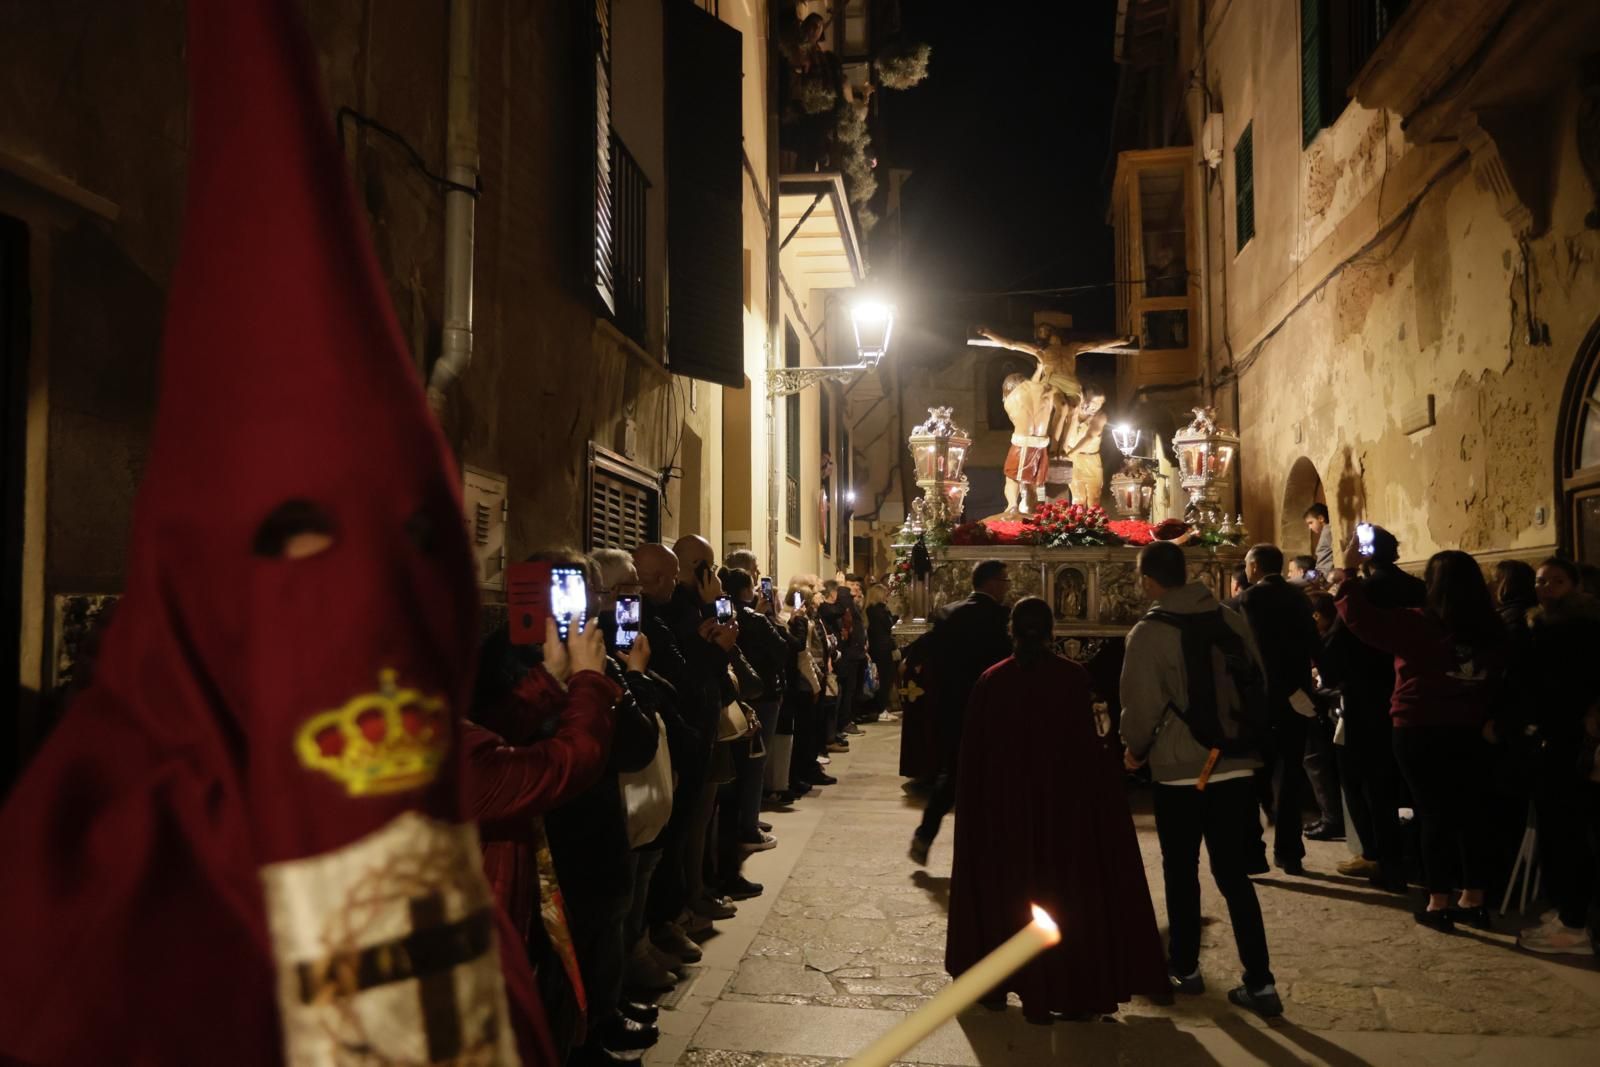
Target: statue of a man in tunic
1057	370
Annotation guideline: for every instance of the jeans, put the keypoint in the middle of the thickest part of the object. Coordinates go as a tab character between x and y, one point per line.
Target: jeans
645	861
1221	815
1372	788
849	675
1287	750
753	776
940	801
1447	769
1322	770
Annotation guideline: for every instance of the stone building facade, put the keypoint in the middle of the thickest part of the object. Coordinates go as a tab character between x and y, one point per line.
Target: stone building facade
624	275
1391	240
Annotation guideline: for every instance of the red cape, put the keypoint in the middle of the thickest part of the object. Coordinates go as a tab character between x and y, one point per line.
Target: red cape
1042	818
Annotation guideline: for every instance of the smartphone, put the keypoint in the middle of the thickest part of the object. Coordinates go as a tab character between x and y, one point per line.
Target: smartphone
627	622
799	600
766	589
1364	538
724	609
1312	576
569	599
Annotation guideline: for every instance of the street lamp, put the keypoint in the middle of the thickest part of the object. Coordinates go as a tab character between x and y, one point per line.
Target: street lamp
873	323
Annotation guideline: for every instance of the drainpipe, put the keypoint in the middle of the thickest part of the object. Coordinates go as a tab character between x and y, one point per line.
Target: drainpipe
774	297
461	168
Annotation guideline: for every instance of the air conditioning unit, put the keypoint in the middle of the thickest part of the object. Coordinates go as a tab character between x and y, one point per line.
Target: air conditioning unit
1211	140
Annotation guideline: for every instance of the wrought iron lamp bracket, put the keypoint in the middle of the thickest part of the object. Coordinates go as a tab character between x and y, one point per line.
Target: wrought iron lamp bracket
786	381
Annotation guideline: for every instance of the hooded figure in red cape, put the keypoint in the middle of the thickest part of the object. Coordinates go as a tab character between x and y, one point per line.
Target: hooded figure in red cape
1042	818
244	842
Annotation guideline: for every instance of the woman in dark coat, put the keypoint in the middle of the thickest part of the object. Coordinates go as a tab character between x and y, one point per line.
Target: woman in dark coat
880	646
1042	818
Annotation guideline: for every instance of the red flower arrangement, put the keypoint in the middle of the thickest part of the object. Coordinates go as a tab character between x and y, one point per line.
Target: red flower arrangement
1057	523
974	533
1132	531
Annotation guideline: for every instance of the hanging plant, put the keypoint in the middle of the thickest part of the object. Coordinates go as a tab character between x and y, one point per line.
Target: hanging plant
815	95
902	65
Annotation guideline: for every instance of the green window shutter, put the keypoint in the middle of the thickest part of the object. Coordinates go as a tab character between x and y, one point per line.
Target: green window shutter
1313	70
1244	187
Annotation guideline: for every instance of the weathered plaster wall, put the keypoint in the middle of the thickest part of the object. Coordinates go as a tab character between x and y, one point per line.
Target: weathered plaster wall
1436	309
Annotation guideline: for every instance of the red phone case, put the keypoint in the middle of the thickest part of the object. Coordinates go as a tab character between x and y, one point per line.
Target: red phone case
528	601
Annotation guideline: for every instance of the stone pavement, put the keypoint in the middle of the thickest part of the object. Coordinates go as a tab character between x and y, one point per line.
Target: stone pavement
850	934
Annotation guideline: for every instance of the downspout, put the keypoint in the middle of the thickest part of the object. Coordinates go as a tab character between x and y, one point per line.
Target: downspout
774	298
460	208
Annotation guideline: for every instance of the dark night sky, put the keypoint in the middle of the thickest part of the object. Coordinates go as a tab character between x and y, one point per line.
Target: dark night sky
1007	140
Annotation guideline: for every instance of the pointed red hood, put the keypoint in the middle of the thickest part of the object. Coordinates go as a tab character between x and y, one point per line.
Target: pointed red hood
178	884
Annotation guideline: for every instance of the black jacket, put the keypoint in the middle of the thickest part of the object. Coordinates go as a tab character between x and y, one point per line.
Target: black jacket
1280	617
880	631
968	638
766	647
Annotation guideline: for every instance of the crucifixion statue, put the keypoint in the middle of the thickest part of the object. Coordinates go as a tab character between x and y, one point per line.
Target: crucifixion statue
1057	370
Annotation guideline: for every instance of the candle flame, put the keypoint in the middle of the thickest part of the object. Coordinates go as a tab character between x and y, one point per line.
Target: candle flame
1046	924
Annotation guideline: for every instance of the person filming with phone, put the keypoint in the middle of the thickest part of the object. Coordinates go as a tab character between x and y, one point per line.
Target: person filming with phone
1449	659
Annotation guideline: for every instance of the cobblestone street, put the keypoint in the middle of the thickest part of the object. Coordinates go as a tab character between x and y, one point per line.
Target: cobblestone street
850	934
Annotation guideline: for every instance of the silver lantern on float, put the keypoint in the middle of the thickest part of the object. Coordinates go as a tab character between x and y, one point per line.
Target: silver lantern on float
939	449
1206	457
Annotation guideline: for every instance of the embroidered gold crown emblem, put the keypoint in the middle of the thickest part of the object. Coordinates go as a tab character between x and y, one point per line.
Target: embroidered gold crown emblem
384	742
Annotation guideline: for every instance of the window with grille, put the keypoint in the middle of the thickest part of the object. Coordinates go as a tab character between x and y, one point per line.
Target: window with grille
1244	187
624	503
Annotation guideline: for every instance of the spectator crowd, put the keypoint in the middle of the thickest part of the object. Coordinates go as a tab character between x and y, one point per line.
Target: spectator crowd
619	791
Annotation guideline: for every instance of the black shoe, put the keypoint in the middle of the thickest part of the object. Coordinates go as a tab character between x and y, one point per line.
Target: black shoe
1192	984
595	1055
993	1003
639	1013
764	826
823	778
622	1034
1294	867
1257	866
741	888
851	728
1478	918
1436	920
1325	831
798	790
1264	1001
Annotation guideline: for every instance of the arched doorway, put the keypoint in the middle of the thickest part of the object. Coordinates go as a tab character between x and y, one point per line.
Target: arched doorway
1303	488
1578	454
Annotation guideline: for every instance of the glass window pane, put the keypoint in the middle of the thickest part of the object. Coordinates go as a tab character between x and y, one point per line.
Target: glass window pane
1165	329
1589	435
1588	511
1165	267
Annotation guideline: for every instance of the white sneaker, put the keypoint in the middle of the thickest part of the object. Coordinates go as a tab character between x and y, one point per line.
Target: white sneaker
1557	941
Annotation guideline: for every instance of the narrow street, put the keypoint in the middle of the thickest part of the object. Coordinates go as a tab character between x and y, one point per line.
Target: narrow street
850	933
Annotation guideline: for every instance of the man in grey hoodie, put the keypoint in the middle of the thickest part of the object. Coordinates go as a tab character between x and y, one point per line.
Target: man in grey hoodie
1154	684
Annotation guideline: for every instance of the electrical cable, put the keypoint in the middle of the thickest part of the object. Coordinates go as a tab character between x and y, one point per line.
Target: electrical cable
366	122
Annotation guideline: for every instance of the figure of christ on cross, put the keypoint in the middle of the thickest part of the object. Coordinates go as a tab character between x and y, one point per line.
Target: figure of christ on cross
1058	362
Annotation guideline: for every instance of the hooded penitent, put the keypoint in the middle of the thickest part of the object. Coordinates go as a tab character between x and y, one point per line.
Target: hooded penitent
243	843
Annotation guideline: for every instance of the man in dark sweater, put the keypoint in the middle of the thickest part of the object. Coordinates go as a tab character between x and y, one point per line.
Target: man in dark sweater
1280	617
969	638
1365	676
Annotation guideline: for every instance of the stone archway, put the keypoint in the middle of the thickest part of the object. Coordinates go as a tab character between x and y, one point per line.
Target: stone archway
1578	455
1302	489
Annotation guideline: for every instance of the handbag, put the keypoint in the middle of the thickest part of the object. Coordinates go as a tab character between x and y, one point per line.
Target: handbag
734	723
647	794
869	687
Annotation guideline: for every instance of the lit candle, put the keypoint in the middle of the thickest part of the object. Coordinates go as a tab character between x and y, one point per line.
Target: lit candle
965	991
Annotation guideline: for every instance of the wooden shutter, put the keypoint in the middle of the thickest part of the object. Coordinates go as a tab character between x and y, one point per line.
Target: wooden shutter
1313	69
791	437
624	503
1244	187
604	210
705	220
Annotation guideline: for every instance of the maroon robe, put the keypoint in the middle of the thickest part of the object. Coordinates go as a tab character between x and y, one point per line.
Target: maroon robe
1042	818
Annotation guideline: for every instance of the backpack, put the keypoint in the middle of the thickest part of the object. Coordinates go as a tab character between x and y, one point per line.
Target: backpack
1227	688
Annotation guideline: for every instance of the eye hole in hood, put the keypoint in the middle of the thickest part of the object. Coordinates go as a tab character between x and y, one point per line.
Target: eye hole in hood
296	529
